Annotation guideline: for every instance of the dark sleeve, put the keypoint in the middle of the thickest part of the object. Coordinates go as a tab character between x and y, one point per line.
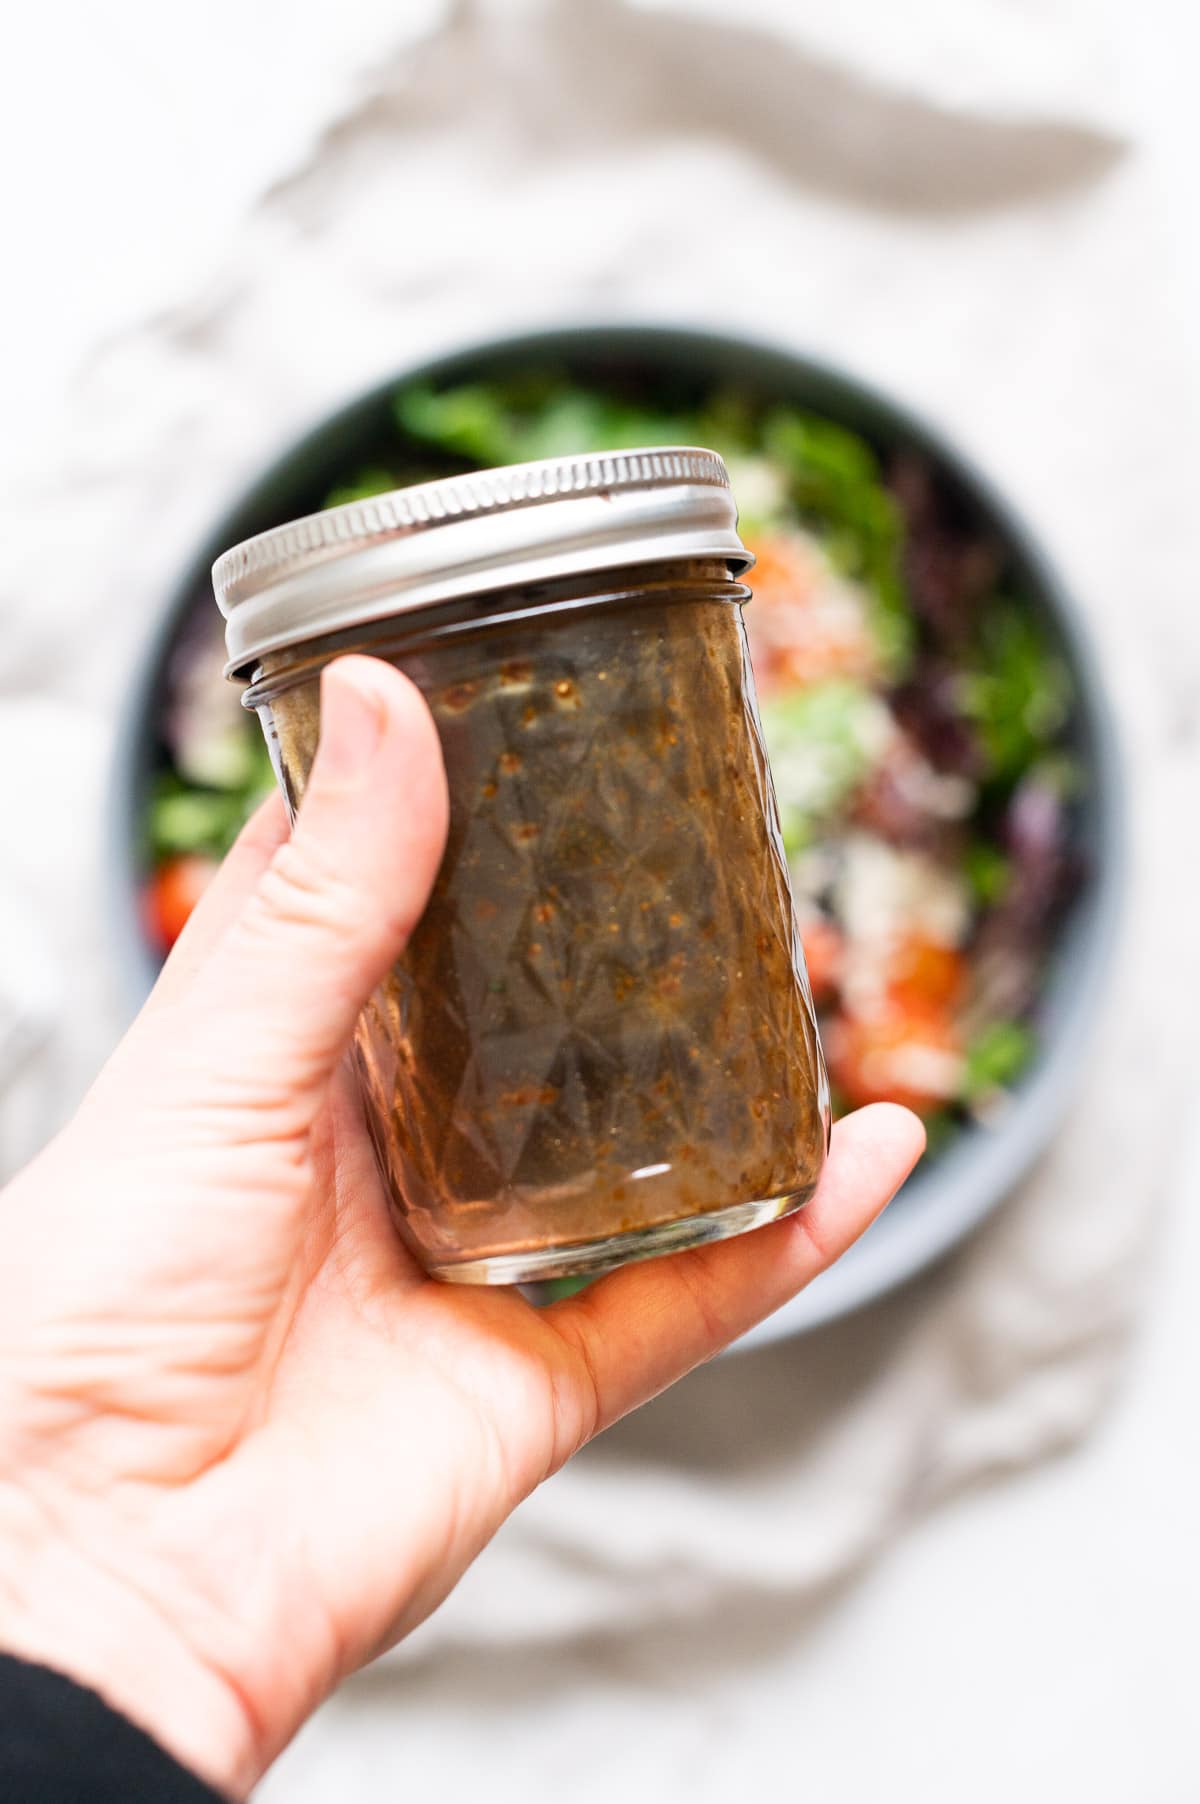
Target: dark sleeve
61	1744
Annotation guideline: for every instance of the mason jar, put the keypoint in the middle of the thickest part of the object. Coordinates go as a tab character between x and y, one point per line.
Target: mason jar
599	1043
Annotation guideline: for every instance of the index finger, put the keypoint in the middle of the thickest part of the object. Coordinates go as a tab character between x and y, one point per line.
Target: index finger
638	1330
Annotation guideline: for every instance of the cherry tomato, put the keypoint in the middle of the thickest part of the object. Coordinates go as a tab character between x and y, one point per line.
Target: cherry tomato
823	946
926	973
173	892
896	1054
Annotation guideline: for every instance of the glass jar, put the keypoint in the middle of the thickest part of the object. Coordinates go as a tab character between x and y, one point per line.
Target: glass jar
599	1043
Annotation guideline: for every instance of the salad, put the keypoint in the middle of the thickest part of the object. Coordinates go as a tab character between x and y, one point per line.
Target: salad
915	710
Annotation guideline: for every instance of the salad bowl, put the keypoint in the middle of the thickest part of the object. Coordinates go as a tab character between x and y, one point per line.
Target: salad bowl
945	761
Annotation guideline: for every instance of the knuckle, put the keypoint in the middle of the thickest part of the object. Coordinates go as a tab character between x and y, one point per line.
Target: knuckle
301	888
702	1296
577	1400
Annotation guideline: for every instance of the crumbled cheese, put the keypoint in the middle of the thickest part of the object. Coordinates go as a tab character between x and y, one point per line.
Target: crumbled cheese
883	895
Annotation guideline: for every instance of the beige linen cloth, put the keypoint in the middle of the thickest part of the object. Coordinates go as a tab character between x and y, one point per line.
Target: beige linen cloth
943	196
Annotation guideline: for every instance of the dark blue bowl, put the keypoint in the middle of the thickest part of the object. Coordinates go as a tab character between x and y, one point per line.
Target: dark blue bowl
946	1198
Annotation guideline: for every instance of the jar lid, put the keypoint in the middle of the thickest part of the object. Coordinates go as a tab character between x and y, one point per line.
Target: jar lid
469	535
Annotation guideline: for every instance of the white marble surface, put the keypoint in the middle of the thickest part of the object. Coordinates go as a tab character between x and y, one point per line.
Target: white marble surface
1037	1633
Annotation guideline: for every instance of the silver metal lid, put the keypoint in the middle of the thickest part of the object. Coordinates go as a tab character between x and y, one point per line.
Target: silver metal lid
469	535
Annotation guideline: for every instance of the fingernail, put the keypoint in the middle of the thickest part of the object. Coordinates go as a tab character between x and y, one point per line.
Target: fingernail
353	716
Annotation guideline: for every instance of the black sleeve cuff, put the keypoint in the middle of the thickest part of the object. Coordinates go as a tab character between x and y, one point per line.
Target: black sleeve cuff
61	1744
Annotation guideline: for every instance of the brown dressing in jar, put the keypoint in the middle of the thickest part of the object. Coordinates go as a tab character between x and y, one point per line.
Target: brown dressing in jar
599	1041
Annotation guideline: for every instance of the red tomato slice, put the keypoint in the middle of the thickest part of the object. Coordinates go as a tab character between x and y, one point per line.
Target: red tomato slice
823	946
897	1054
926	973
173	892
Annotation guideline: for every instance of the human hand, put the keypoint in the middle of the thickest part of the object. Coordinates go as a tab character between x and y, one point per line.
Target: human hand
244	1443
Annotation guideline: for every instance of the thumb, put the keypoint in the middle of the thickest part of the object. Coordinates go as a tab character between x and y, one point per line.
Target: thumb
337	902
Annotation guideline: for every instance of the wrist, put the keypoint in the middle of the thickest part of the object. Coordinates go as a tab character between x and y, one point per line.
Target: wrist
62	1609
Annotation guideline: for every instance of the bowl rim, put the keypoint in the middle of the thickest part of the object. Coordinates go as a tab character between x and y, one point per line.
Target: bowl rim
978	1171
